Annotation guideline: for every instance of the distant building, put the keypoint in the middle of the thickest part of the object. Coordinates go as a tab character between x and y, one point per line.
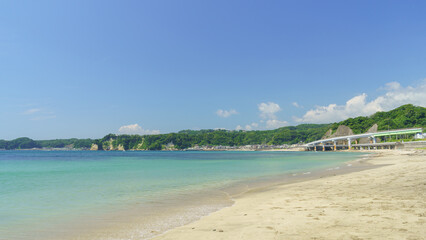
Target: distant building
420	136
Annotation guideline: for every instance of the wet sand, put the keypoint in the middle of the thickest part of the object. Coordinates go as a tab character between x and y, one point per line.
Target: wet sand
386	202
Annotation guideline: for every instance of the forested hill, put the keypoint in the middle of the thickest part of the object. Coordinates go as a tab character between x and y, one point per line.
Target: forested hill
28	143
189	138
405	116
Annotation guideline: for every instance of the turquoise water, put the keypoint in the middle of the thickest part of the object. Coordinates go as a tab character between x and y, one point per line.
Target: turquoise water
61	194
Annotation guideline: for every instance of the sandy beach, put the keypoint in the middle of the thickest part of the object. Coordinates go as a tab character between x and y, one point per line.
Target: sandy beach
387	202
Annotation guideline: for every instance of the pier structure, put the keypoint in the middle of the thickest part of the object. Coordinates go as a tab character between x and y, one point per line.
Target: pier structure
351	141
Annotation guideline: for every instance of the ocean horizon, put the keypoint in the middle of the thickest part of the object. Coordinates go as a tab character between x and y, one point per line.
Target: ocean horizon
132	195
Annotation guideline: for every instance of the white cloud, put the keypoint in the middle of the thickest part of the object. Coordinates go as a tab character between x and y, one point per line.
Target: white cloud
39	114
360	106
136	129
393	86
251	126
268	110
274	123
296	104
32	111
225	113
248	127
269	119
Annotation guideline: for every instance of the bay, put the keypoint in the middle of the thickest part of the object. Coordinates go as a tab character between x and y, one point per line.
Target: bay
131	195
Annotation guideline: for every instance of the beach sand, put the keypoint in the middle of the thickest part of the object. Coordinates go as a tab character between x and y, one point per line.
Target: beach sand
388	202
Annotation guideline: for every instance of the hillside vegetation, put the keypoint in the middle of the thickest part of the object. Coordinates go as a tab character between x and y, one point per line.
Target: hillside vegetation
189	138
27	143
406	116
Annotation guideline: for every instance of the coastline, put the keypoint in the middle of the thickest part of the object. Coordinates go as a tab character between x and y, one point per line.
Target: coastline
178	216
385	201
235	190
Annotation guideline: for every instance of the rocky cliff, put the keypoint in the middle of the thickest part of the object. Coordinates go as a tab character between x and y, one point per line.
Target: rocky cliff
94	147
343	130
373	129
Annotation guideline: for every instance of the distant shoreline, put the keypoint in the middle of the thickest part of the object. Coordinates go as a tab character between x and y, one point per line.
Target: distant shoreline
213	148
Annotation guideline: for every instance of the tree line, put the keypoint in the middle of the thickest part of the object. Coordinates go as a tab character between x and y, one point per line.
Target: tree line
28	143
189	138
405	116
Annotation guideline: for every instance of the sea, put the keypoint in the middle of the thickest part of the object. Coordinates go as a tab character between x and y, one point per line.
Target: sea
134	194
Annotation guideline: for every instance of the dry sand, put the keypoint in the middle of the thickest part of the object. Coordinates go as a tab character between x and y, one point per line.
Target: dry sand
388	202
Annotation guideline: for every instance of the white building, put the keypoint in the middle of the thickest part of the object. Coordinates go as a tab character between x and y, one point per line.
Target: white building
420	136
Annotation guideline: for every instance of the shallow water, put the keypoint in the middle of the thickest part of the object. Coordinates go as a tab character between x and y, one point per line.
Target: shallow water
130	195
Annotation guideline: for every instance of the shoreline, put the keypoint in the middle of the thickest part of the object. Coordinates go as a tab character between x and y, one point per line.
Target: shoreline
271	182
233	192
283	211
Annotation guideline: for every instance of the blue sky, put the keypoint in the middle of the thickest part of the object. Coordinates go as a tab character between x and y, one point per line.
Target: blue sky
89	68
